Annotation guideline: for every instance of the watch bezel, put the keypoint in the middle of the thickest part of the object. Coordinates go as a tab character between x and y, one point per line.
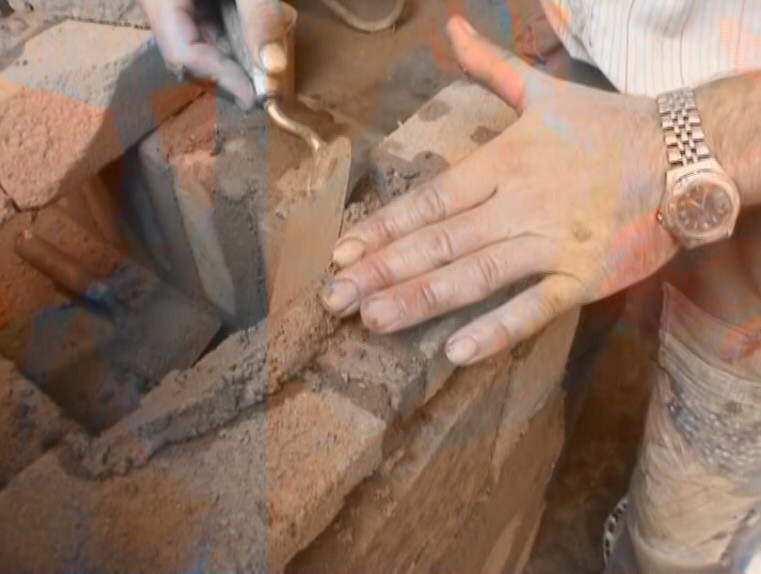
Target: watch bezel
680	180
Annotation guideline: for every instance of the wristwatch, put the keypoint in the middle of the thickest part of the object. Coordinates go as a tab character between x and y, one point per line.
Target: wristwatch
701	202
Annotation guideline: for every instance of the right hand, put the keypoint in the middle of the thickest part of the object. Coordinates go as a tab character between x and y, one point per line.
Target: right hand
187	40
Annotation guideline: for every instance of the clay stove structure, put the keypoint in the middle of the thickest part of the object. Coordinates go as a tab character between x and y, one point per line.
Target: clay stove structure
163	420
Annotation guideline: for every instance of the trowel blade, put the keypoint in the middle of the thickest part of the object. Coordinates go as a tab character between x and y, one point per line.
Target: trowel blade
313	226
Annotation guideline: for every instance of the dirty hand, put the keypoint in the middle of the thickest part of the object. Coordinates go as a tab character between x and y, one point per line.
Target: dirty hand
567	195
187	36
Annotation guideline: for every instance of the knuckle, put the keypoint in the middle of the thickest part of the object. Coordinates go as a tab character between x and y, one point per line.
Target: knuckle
381	230
380	272
429	295
502	333
488	272
546	306
441	246
430	204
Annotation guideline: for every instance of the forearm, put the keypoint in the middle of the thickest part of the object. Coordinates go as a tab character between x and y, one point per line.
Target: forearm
731	113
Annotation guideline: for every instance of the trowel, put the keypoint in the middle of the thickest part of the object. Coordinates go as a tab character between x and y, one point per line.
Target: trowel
314	224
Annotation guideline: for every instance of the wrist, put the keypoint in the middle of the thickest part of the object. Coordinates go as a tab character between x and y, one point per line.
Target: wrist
730	109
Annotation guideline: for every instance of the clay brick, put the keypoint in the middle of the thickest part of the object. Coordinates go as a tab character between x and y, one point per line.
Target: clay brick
398	520
499	533
30	423
76	97
244	499
449	127
535	375
382	374
126	12
211	203
405	517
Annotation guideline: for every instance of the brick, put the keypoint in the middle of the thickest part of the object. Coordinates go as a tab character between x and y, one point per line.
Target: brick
459	451
449	127
211	198
126	12
398	519
30	423
244	499
76	97
381	374
535	375
499	532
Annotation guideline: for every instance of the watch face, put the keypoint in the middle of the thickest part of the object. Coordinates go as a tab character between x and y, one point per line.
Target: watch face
703	208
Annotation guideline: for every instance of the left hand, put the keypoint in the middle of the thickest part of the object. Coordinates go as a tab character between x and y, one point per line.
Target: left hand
567	194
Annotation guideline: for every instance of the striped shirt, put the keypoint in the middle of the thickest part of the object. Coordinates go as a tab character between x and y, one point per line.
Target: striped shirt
651	46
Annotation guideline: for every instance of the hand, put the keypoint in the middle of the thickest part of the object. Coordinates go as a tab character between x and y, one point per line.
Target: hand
568	195
187	35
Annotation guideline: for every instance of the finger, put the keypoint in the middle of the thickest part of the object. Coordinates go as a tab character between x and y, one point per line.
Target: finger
502	72
416	254
264	27
517	320
206	61
181	45
462	283
462	187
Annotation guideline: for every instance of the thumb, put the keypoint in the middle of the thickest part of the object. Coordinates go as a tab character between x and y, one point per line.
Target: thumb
499	70
263	24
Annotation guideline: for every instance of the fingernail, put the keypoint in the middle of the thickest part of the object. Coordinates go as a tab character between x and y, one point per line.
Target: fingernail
461	351
467	27
381	313
341	296
348	251
273	58
244	97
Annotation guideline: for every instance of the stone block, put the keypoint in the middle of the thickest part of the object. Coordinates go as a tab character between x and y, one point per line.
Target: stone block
124	12
75	99
30	423
244	499
459	119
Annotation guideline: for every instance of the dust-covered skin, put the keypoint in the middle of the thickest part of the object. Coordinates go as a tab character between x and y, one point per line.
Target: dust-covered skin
569	194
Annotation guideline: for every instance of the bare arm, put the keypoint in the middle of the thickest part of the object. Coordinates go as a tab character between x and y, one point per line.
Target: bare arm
731	113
